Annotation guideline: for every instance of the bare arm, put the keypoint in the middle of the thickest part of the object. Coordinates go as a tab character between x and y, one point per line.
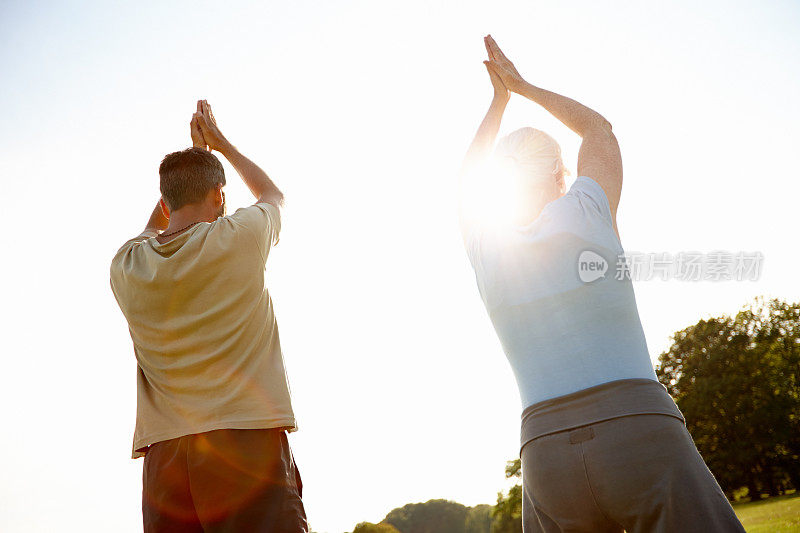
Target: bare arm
256	179
482	144
158	219
599	157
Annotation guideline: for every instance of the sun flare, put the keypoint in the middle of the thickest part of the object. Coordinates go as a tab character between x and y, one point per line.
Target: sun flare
489	193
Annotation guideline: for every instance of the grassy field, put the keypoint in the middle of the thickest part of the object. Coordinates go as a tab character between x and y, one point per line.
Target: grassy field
774	515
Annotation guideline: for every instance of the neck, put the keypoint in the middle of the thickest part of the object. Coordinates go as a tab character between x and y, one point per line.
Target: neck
187	214
530	210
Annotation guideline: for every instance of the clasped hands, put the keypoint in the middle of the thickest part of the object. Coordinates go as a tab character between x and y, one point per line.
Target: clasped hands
204	130
502	72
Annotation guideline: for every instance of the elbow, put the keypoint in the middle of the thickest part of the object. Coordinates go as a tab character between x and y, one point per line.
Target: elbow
278	198
275	198
599	126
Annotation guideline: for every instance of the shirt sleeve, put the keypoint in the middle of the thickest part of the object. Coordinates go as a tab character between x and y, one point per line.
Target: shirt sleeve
143	236
263	221
592	197
583	211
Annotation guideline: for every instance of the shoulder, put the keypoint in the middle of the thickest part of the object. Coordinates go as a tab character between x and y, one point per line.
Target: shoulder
257	212
131	243
261	221
124	258
583	211
591	196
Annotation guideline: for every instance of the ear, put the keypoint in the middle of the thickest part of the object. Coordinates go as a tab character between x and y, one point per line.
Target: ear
218	195
164	208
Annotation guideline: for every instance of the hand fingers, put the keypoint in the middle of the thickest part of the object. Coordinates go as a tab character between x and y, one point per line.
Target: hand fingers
211	114
488	47
494	67
208	113
199	108
200	132
492	74
198	124
498	54
195	126
202	122
490	44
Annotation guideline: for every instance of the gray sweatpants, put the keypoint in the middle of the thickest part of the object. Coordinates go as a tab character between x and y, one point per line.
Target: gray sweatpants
639	473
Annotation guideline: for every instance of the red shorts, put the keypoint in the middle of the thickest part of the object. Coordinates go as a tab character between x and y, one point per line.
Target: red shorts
223	481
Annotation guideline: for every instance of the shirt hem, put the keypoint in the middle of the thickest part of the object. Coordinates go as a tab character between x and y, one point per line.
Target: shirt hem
140	445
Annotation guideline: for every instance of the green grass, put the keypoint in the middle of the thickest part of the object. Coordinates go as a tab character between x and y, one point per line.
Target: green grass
774	515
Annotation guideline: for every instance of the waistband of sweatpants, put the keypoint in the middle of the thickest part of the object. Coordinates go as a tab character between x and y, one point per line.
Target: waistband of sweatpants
615	399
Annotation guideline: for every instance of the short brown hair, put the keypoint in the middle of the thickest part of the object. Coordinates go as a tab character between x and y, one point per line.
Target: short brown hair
188	175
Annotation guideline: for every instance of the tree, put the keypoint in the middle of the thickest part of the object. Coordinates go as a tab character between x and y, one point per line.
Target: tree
479	519
368	527
737	382
433	516
507	513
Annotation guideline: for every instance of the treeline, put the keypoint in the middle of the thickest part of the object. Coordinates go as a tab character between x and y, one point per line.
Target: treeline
737	381
434	516
444	516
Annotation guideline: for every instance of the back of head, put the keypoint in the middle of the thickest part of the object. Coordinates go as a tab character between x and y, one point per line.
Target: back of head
187	176
536	158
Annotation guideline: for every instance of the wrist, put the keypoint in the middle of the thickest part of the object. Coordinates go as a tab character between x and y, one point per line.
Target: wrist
524	88
500	99
226	149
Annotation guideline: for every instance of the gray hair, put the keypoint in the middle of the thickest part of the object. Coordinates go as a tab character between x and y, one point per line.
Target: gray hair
536	154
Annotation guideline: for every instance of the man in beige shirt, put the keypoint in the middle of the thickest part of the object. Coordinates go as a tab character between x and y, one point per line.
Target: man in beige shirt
213	400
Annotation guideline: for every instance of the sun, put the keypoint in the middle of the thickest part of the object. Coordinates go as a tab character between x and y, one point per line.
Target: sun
489	193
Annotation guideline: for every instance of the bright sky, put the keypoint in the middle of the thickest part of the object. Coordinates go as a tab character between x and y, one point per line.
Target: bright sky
361	113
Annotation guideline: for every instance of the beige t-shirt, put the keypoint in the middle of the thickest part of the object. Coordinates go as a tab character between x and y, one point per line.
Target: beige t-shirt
203	328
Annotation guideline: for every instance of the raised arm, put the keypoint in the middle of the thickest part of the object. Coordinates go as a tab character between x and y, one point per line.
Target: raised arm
599	157
157	222
256	179
482	144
